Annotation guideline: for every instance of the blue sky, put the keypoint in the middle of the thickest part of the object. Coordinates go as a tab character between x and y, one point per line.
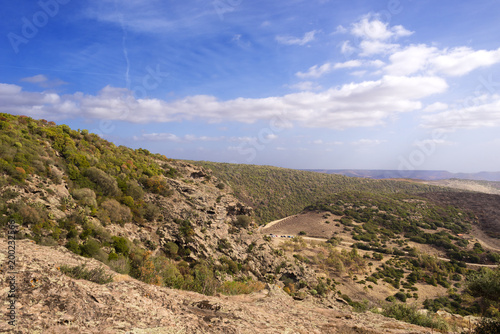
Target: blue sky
396	84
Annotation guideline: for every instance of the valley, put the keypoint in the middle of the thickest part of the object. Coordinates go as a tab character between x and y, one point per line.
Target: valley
117	240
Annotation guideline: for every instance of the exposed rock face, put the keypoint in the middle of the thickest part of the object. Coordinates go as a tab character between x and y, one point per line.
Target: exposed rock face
195	197
51	302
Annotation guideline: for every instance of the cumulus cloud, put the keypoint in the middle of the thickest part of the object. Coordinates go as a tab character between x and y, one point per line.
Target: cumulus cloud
289	40
462	60
371	28
483	111
451	62
362	104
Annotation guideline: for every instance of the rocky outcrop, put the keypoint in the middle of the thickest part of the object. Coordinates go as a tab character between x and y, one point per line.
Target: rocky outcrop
50	302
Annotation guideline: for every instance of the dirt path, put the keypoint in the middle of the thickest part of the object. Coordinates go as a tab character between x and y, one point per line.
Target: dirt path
268	225
485	241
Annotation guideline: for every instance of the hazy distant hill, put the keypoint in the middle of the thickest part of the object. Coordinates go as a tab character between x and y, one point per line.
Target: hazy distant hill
416	174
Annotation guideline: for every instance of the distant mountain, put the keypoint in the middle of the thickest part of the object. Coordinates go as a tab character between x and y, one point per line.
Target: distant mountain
427	175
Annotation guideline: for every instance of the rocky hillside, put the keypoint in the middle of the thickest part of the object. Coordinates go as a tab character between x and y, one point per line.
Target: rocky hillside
161	221
51	302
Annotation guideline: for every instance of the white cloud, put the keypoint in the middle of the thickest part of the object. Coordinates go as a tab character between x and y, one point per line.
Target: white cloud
362	104
42	81
340	30
346	48
376	63
316	71
35	79
348	64
437	106
369	47
480	112
462	60
371	28
410	60
450	62
158	137
289	40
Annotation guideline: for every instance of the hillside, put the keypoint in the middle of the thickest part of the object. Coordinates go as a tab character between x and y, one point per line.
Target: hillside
161	221
275	193
157	226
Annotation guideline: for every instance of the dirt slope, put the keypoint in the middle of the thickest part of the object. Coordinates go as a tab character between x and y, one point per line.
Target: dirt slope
50	302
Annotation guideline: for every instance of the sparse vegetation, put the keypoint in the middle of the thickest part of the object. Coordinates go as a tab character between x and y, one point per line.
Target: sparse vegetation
96	275
408	313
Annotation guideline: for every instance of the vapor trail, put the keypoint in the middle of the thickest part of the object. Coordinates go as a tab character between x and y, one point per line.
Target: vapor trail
125	52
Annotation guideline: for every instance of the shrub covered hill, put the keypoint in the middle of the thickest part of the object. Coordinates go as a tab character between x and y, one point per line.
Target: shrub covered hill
276	192
105	233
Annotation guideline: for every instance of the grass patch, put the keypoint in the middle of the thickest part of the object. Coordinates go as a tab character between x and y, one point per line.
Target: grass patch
96	275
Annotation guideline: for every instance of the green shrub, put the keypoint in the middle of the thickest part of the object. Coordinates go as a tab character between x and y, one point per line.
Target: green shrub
408	313
85	196
242	221
117	213
157	185
171	248
72	245
134	190
90	248
485	283
391	299
96	275
401	296
121	245
104	182
172	277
